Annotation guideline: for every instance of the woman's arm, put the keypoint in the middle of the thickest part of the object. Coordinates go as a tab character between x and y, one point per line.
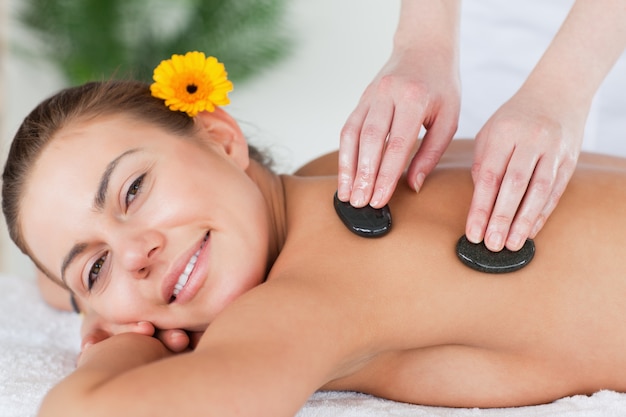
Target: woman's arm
264	356
99	364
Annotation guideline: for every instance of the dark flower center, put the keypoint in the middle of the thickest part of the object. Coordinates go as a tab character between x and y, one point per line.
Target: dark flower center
192	88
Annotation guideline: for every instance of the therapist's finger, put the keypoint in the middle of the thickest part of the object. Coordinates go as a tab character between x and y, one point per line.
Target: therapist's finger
435	143
487	172
407	121
349	151
564	174
537	196
512	190
371	144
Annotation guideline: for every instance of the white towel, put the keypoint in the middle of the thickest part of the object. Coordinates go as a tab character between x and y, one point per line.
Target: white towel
39	346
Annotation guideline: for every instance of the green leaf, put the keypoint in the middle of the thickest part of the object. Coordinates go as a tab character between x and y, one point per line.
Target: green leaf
102	39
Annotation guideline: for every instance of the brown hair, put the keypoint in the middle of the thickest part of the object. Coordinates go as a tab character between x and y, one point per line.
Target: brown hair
131	98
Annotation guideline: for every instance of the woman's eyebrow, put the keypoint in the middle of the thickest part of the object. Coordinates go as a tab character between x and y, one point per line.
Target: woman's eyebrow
76	250
98	202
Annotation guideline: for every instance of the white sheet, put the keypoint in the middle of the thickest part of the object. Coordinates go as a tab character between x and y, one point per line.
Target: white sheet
39	345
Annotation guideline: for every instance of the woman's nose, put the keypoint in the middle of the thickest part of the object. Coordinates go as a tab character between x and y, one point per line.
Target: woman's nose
137	252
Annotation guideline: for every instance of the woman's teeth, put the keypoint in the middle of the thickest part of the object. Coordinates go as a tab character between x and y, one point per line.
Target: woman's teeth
184	277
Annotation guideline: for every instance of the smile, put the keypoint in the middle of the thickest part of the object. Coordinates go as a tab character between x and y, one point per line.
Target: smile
184	277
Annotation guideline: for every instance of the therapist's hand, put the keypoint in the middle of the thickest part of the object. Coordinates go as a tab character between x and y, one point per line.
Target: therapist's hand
524	158
526	153
412	90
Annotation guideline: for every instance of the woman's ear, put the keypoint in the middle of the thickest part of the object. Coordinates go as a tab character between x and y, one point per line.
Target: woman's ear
221	129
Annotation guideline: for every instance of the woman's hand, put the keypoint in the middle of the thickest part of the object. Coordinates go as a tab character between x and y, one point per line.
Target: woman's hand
418	86
524	157
95	329
148	350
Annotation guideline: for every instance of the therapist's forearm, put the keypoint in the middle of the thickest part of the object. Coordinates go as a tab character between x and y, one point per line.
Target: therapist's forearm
583	51
425	24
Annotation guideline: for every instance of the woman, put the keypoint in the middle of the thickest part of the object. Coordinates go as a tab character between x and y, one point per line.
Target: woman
163	220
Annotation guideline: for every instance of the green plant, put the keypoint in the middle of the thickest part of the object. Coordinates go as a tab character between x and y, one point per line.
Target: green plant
99	39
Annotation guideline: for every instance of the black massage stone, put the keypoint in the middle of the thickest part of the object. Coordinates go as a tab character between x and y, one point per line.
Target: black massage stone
366	221
478	257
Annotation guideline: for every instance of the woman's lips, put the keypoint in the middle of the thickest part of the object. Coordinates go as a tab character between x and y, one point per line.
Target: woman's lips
184	277
176	284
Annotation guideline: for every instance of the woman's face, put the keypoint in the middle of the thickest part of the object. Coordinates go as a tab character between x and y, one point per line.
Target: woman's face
144	225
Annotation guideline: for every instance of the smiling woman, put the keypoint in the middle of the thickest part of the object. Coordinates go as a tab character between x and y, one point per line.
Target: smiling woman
166	220
114	195
144	189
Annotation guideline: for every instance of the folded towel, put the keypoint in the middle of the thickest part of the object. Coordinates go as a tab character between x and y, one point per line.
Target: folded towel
39	346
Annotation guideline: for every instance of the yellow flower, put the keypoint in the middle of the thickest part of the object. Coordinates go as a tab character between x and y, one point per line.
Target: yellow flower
191	83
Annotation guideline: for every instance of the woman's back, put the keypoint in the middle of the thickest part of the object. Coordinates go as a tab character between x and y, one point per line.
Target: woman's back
408	290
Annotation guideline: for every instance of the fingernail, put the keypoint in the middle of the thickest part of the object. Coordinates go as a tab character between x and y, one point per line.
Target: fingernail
358	198
343	191
514	242
87	346
419	181
494	241
178	333
378	196
474	234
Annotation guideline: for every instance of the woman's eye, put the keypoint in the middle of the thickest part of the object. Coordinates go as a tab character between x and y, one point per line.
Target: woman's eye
134	190
94	271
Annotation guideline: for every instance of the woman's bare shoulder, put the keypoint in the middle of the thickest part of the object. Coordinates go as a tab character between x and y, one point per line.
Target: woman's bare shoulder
460	154
459	151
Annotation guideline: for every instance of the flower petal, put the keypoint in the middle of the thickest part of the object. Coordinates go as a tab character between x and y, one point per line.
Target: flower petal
191	83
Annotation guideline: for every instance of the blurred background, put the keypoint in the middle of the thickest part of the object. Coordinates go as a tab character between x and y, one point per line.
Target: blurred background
299	66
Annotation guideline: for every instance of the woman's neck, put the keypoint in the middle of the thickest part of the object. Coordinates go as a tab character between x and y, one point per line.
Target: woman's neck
272	188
